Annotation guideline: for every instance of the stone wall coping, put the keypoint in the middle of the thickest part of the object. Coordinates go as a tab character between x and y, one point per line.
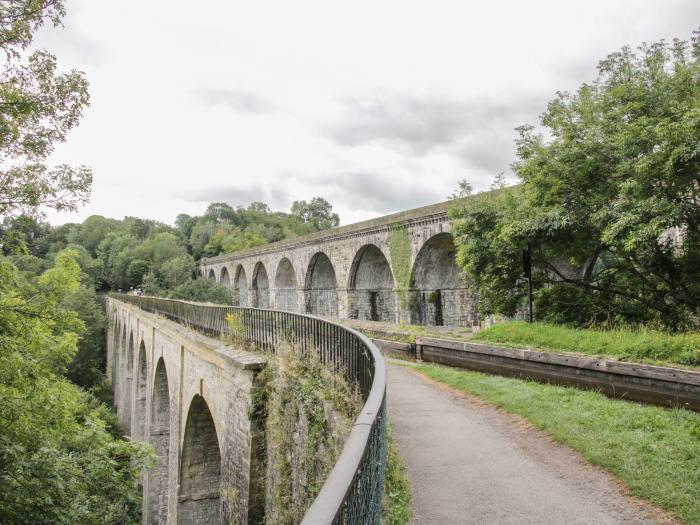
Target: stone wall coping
241	359
663	373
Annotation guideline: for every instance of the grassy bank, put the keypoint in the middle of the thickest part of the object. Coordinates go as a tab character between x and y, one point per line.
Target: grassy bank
656	451
632	345
397	491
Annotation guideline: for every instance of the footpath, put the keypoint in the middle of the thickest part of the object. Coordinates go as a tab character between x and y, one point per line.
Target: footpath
468	462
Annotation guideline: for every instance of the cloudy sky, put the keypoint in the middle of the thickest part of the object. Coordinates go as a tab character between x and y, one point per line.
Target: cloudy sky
377	106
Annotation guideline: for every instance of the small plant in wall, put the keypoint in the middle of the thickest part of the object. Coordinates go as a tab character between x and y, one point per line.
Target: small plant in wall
236	327
432	297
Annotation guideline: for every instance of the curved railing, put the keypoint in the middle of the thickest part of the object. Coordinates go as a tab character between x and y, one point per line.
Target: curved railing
353	491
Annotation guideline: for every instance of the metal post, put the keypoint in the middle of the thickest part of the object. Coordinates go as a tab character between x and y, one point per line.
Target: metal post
527	273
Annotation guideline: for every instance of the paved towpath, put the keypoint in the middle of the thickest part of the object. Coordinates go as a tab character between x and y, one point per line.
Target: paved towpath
470	463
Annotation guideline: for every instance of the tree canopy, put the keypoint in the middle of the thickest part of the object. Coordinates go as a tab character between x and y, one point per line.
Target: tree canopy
38	107
609	199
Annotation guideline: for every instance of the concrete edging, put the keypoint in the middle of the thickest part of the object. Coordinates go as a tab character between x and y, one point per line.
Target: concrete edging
658	385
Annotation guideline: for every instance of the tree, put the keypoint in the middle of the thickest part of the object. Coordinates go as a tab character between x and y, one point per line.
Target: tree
59	462
610	203
135	272
203	291
464	189
38	107
87	368
318	212
92	232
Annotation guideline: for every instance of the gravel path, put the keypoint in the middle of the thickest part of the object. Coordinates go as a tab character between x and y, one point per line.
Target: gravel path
468	462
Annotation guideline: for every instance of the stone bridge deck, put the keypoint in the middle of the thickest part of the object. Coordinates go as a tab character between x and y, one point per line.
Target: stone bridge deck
397	268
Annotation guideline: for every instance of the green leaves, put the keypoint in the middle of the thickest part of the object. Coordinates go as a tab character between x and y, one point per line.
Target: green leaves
38	107
58	461
610	200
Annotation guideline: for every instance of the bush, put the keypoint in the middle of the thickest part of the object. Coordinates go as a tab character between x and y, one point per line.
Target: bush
203	291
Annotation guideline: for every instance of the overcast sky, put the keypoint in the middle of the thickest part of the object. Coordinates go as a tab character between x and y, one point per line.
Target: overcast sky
377	106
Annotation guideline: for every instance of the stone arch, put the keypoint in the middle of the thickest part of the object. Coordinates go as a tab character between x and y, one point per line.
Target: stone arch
159	433
128	382
438	294
212	275
260	286
139	425
241	285
321	286
116	363
224	278
199	499
371	286
285	286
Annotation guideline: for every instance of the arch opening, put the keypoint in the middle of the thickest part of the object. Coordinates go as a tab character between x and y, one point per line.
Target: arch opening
212	275
438	294
241	287
261	287
224	278
200	468
321	287
159	432
128	382
115	365
139	425
285	286
371	294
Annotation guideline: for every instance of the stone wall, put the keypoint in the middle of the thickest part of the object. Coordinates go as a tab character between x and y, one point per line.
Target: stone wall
197	400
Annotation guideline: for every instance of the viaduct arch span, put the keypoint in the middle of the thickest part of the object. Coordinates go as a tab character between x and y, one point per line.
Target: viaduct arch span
396	268
188	396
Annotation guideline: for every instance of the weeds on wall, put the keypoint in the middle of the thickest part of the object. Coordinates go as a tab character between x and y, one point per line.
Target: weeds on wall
400	251
236	327
308	412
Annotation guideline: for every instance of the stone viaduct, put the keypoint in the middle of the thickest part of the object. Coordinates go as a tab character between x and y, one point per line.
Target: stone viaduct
396	268
188	396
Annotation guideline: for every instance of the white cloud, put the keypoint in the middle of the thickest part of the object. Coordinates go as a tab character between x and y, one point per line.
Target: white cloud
372	105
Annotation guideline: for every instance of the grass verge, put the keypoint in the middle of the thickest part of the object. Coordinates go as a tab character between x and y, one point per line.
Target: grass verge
632	345
655	451
397	491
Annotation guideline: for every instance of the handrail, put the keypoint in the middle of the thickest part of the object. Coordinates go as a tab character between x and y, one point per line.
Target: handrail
353	491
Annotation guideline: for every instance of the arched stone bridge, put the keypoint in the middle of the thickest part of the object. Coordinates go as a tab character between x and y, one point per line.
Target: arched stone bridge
188	396
396	268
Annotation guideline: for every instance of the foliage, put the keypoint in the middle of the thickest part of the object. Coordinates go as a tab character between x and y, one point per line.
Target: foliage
305	399
464	189
400	251
58	461
397	489
318	212
92	231
610	202
134	252
655	451
87	369
635	345
203	291
38	107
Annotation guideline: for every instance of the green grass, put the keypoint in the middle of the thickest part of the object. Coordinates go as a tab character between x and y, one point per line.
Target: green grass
656	451
397	491
632	345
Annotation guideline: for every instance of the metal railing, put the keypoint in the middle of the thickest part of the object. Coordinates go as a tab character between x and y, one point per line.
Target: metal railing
352	493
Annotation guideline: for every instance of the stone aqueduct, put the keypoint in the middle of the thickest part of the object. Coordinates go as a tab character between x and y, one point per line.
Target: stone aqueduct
188	396
396	268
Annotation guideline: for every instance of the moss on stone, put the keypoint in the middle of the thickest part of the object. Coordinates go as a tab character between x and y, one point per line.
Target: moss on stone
400	251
